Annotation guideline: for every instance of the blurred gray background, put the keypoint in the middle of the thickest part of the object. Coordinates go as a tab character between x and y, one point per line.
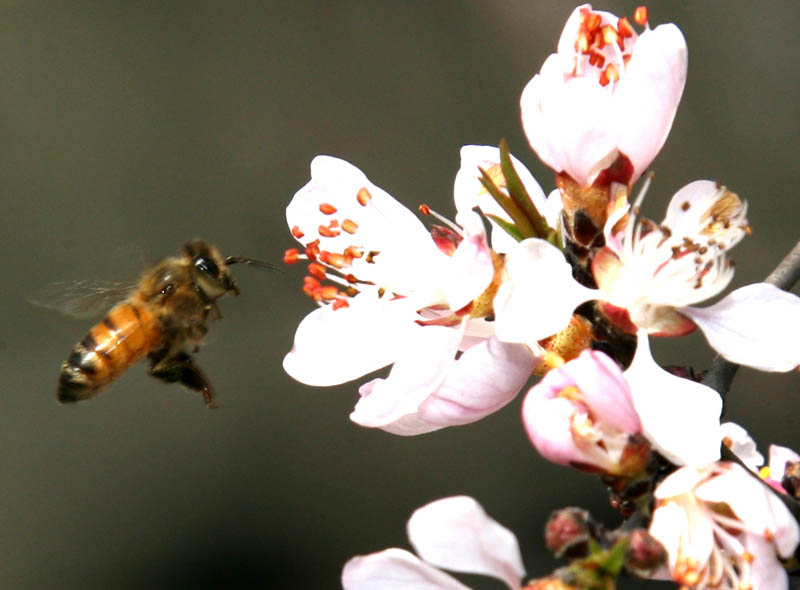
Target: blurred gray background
128	127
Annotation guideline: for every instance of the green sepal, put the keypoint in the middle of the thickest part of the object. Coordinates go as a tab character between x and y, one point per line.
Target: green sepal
520	195
521	221
509	227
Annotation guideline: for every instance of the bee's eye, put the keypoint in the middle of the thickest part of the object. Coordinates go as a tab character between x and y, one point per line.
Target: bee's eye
206	266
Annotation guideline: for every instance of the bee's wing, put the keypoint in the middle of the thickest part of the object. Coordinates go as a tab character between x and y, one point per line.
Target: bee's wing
82	299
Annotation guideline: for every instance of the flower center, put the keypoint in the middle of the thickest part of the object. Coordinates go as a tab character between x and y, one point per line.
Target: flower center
603	49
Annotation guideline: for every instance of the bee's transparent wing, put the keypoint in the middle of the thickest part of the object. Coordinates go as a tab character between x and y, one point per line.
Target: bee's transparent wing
82	299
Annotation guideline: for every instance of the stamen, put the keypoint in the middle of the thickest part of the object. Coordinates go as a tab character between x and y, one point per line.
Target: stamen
425	210
291	256
297	232
317	270
349	226
624	27
363	197
640	15
327	209
327	231
340	303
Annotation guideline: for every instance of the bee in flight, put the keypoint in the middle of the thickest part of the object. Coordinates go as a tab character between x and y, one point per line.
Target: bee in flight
164	315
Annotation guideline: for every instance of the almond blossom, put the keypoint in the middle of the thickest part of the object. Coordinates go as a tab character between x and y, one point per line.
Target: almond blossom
722	529
453	533
588	414
391	293
651	275
582	414
606	93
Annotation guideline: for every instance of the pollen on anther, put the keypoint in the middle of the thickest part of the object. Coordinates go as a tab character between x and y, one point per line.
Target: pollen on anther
340	303
685	206
291	256
329	292
327	231
424	209
363	197
312	249
610	35
327	208
624	27
349	226
297	232
611	74
640	15
317	270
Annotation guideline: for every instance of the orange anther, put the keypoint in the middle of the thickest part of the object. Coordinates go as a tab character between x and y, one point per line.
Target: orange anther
424	209
591	21
327	231
610	74
329	292
353	252
333	259
350	278
610	35
297	232
327	208
624	27
640	15
349	226
317	270
312	250
291	256
340	303
363	197
582	43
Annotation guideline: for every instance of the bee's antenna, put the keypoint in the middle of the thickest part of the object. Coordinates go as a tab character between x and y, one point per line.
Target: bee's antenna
251	261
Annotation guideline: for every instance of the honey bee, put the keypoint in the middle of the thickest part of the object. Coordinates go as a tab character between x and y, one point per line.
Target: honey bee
164	315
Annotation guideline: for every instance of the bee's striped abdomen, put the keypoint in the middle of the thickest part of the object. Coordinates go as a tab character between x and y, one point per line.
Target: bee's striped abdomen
123	337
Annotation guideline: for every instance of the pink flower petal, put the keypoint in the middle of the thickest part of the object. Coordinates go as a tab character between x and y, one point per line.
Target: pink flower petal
756	326
455	533
484	379
392	403
539	295
395	569
335	346
679	417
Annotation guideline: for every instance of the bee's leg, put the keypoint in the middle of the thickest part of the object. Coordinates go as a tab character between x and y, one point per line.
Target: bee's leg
180	368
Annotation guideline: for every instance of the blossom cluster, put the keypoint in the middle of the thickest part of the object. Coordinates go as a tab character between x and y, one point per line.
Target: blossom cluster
570	287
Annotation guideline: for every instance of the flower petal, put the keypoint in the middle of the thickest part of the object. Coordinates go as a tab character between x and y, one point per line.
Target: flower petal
755	505
649	92
778	457
539	295
332	346
395	569
742	445
605	389
767	573
455	533
484	379
471	268
409	259
548	423
392	403
679	417
756	326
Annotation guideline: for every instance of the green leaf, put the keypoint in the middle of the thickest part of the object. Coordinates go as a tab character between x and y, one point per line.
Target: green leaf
524	226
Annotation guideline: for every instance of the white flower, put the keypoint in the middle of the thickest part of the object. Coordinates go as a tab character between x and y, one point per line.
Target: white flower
741	444
453	533
722	528
652	275
395	296
582	414
607	92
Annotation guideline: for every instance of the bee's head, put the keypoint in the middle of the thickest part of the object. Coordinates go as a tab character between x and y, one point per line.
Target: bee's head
209	270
